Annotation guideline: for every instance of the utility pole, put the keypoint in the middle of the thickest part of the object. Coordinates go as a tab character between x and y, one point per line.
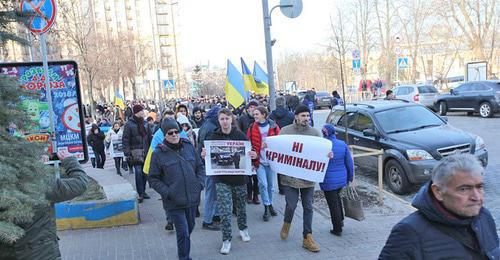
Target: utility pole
160	89
269	53
175	49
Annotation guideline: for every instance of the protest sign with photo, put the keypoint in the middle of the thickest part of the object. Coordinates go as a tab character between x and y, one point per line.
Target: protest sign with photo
299	156
225	157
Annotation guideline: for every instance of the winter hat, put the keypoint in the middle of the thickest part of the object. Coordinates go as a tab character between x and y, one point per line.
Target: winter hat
253	102
280	102
137	108
301	109
168	124
182	119
328	131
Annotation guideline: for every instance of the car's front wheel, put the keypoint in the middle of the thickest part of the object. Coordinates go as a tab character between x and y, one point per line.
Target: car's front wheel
443	108
485	110
395	177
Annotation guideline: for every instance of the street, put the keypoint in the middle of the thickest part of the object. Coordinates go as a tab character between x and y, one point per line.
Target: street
484	127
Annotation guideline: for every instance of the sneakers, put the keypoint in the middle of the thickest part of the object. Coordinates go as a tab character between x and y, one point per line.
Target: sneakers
169	226
226	247
210	226
244	235
284	230
309	244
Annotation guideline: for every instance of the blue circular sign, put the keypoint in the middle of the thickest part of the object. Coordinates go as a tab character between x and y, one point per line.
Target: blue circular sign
43	14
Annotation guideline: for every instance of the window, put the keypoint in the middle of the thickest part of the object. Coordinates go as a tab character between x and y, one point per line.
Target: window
364	122
464	87
427	89
334	117
351	120
401	91
480	87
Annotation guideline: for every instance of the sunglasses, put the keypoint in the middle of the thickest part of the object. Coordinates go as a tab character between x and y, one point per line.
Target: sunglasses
176	132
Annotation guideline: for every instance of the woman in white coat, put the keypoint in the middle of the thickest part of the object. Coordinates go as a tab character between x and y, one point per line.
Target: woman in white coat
114	138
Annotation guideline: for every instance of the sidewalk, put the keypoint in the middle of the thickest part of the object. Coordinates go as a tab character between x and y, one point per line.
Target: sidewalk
149	239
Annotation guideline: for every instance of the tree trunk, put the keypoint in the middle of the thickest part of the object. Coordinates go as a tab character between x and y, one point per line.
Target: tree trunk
91	95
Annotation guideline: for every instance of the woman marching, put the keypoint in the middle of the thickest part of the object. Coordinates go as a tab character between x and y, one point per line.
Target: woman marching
338	174
96	141
257	134
114	138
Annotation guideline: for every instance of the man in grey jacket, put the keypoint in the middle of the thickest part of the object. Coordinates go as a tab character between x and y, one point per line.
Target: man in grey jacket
294	186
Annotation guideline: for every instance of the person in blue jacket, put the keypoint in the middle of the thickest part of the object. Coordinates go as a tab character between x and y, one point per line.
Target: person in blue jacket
338	174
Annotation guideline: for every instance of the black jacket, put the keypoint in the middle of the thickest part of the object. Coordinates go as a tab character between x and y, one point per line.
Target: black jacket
132	139
211	123
235	134
96	141
245	121
419	236
178	181
282	117
293	102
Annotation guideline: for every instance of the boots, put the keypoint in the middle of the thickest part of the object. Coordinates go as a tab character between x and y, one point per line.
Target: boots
256	199
309	244
284	230
266	213
272	211
249	198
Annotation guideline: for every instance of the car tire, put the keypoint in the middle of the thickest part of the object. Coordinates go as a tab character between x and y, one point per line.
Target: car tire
443	108
485	110
395	177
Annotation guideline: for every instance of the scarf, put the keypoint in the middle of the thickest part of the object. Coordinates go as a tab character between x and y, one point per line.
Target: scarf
140	125
263	124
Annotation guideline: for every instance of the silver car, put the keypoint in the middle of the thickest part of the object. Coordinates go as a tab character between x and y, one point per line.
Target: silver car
422	94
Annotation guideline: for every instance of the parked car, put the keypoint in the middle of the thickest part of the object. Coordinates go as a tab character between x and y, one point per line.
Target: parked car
413	138
422	94
323	99
474	96
223	158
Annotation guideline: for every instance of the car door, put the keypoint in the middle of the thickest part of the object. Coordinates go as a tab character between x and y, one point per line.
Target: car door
363	122
456	100
340	127
480	92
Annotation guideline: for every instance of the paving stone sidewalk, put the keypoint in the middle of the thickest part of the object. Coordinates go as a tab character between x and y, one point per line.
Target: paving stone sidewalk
149	239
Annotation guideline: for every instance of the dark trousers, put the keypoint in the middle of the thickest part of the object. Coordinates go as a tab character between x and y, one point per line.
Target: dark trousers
184	224
118	164
292	197
252	186
140	179
336	211
167	216
92	160
100	158
280	186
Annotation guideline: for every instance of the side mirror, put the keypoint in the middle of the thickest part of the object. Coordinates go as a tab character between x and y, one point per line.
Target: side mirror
453	92
370	132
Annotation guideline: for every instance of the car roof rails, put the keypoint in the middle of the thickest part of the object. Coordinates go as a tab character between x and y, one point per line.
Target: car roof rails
402	100
362	104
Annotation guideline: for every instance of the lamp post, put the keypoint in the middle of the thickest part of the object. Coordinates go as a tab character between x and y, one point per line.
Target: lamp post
160	89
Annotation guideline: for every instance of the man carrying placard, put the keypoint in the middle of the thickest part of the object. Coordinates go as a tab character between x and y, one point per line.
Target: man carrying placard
293	186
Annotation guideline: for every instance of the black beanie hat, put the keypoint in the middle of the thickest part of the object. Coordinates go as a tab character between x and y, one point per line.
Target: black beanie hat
301	109
169	124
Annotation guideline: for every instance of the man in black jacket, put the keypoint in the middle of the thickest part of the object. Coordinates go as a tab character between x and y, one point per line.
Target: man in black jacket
177	174
135	146
450	221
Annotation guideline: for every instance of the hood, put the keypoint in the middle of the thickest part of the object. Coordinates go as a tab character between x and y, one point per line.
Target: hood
433	138
182	119
280	113
425	202
329	132
212	115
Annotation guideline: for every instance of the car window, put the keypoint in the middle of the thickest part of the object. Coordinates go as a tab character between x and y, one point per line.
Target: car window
364	122
351	120
404	91
480	87
406	119
427	89
464	87
334	117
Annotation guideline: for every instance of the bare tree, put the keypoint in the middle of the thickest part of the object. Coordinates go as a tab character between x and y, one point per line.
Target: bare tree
385	20
364	28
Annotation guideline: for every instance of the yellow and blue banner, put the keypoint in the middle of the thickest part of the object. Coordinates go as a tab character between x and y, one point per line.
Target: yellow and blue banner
248	79
119	100
261	80
235	86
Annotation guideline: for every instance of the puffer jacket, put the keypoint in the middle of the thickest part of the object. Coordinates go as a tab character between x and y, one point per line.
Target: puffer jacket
178	181
245	121
419	237
295	129
132	139
40	240
340	167
255	138
211	123
282	117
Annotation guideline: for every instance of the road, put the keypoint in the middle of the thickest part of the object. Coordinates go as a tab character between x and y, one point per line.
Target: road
486	128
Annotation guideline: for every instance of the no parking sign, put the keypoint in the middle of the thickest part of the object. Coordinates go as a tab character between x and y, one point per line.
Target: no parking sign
43	14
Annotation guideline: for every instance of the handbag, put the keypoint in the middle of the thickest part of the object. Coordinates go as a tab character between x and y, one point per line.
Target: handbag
353	206
137	156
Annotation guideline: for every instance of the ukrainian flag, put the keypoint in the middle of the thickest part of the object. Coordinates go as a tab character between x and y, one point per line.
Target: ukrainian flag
261	80
248	79
235	87
119	101
158	138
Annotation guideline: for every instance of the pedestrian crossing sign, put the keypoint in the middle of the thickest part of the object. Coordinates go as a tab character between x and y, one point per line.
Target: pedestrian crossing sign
403	63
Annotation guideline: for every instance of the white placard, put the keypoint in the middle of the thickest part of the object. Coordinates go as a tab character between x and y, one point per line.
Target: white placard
299	156
227	157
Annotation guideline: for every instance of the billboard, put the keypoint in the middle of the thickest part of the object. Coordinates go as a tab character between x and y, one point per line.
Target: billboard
67	107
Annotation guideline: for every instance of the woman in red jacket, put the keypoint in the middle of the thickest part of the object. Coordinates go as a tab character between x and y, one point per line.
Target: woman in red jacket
257	134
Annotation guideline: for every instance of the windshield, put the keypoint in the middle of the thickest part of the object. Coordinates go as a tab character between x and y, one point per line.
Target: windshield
427	89
405	119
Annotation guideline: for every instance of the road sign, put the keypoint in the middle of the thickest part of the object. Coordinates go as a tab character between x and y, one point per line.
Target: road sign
356	55
403	62
291	8
356	64
42	12
169	84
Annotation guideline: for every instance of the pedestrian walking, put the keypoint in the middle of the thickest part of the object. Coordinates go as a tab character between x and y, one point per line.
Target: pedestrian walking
257	134
135	146
114	138
177	174
230	187
197	116
96	141
294	186
338	174
450	221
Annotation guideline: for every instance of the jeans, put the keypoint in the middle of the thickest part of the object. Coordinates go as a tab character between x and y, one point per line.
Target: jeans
226	194
252	186
266	183
184	224
118	164
210	208
140	180
292	197
336	212
100	158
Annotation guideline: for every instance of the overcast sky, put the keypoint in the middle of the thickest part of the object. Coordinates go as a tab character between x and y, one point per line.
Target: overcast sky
217	30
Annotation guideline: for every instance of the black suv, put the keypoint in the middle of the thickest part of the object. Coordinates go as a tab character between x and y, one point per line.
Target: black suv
475	96
413	137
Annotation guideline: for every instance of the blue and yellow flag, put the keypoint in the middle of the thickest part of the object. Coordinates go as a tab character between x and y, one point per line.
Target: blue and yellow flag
235	87
248	79
119	100
261	80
